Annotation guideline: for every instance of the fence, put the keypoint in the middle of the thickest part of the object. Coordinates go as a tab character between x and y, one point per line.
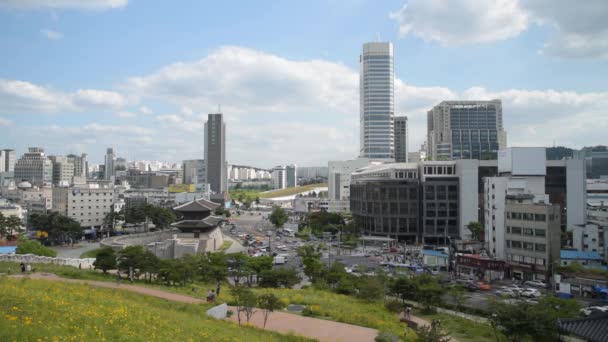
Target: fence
37	259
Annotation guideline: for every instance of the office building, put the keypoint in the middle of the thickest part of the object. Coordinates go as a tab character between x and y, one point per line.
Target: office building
109	164
376	98
465	130
193	171
596	161
279	177
7	160
87	204
311	172
63	170
339	177
291	176
81	166
34	167
120	164
401	135
533	236
215	153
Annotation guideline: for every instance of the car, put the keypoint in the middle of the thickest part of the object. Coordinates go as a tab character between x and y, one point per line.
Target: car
483	286
513	287
593	310
535	283
530	294
507	293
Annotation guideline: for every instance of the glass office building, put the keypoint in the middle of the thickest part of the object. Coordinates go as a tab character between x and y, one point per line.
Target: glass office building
376	86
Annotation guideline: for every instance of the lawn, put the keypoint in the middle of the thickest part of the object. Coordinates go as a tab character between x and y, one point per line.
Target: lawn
291	191
37	310
462	329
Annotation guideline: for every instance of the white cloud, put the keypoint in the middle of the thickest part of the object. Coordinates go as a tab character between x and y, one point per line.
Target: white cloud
19	97
64	4
145	110
126	114
462	21
579	28
52	35
5	122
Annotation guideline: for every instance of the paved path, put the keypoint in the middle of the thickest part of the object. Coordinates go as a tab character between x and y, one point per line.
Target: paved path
236	247
320	329
76	251
281	322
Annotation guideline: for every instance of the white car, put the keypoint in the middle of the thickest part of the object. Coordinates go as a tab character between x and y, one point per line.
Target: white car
593	309
536	283
530	294
514	288
506	293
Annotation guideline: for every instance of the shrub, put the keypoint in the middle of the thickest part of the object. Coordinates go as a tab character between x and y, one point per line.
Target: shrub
393	305
385	336
34	247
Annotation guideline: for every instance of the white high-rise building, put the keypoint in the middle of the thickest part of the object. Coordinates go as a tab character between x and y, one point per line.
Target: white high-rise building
377	105
34	167
279	177
338	178
7	160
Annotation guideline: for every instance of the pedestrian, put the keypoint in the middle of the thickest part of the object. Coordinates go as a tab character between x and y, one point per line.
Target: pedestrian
208	296
22	265
408	313
212	296
79	266
117	277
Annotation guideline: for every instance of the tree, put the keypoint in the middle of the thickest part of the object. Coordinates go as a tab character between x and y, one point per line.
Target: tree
161	217
311	258
259	264
458	296
105	260
269	302
428	292
219	211
278	217
476	230
149	265
34	247
245	301
214	267
370	289
8	225
237	264
279	278
257	199
404	288
60	228
131	258
432	333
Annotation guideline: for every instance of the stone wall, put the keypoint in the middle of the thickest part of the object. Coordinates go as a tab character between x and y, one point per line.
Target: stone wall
122	241
37	259
219	312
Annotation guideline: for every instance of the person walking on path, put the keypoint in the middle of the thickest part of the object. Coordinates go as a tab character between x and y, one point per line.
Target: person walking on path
117	277
22	267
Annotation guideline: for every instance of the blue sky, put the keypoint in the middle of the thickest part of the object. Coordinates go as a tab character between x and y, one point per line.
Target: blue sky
140	76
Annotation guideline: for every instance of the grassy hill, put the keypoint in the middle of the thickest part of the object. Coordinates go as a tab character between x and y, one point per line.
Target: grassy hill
39	310
291	191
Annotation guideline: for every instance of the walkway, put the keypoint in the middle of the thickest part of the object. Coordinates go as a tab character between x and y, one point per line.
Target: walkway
320	329
281	322
76	251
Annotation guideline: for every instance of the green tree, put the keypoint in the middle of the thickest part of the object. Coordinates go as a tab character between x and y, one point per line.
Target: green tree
257	199
281	277
161	217
428	292
237	266
370	289
259	264
33	247
278	217
105	260
131	257
269	303
458	296
8	225
214	267
404	288
150	264
476	230
245	301
59	227
219	211
311	258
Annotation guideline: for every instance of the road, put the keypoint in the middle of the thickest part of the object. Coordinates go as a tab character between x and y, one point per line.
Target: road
76	251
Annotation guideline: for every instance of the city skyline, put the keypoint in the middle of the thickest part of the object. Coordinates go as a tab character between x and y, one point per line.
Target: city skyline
286	93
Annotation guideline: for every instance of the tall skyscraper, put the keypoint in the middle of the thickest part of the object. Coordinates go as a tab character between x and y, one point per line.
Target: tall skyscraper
279	177
215	153
109	164
9	158
465	130
34	167
292	177
63	170
376	97
193	171
81	166
401	136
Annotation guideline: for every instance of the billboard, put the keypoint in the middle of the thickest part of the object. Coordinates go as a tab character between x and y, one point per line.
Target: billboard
175	188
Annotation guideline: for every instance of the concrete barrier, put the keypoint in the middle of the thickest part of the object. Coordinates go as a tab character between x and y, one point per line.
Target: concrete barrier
37	259
121	241
219	312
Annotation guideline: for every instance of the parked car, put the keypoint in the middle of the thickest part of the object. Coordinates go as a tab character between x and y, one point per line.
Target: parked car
535	283
530	294
593	310
483	286
507	293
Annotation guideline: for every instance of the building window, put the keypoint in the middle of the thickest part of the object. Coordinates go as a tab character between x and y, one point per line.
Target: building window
540	247
516	230
540	217
528	231
540	261
529	246
539	232
516	244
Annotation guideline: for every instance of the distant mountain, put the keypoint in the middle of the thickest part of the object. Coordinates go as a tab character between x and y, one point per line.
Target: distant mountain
559	153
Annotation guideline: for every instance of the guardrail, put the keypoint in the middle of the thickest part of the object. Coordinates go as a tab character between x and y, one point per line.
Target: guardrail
86	263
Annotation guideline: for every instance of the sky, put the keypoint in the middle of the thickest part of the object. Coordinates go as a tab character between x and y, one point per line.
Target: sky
141	76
